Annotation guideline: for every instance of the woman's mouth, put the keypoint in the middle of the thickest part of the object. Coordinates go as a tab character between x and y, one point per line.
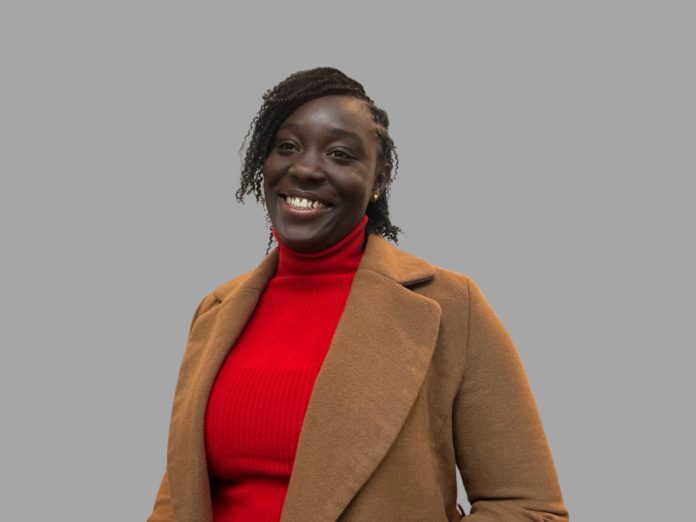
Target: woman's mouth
303	203
303	207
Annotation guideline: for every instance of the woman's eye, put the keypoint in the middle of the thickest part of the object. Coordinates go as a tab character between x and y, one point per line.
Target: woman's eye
285	146
340	154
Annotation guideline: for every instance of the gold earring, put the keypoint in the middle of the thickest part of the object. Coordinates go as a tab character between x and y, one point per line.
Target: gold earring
375	196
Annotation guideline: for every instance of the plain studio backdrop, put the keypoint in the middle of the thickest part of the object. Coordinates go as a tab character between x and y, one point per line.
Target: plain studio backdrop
546	150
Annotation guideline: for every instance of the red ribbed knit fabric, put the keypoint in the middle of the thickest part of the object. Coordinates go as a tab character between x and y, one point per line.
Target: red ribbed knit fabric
258	401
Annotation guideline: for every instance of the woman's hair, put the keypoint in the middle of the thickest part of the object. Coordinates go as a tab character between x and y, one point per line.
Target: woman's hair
280	101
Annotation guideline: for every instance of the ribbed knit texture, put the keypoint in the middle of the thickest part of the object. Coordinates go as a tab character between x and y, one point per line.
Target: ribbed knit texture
259	398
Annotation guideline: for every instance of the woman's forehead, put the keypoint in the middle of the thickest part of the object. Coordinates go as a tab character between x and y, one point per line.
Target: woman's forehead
334	116
341	112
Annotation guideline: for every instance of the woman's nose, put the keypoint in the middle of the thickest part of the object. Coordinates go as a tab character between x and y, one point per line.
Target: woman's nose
307	166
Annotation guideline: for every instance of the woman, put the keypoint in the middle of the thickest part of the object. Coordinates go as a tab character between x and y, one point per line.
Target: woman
343	378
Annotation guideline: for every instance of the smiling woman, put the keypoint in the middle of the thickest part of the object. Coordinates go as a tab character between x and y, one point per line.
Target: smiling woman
327	153
344	378
322	114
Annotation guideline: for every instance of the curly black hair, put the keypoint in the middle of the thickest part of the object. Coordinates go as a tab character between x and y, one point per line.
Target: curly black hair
280	101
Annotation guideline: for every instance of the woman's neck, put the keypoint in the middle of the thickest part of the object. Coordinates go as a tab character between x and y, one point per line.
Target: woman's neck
340	258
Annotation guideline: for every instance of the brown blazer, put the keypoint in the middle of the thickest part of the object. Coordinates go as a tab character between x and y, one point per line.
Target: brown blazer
421	376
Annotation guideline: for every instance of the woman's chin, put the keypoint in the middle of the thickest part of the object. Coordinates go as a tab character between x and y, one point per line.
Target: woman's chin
302	238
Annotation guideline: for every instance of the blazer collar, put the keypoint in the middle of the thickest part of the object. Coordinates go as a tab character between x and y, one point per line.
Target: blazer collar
372	373
380	256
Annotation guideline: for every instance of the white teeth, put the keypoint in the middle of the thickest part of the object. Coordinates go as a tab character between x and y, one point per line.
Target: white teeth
303	202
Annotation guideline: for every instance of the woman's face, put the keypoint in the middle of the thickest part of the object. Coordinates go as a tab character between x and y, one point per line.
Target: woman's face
324	158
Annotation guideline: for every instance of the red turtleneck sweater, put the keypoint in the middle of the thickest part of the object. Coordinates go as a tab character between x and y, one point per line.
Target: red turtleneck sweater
258	400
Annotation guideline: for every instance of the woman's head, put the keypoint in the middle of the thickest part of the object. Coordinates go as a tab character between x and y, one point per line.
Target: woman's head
295	144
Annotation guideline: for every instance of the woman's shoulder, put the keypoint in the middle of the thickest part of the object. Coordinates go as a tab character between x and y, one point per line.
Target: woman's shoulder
450	277
453	289
450	288
218	295
442	274
229	286
442	283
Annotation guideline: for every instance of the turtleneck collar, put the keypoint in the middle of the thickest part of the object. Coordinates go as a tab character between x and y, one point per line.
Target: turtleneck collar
340	258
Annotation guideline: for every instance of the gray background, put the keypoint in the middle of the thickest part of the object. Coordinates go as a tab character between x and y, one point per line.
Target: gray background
546	151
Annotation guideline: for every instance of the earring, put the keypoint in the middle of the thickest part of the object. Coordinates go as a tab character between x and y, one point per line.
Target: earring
375	196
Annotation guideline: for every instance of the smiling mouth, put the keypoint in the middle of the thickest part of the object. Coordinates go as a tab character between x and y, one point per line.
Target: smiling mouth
304	204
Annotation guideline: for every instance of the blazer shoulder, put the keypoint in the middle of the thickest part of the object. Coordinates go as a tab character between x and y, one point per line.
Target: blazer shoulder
456	292
217	296
450	282
457	289
448	276
417	273
226	288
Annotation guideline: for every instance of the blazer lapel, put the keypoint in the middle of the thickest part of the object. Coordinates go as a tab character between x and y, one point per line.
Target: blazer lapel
372	373
211	337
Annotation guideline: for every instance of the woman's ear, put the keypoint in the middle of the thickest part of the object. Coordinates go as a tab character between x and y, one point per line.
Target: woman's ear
382	177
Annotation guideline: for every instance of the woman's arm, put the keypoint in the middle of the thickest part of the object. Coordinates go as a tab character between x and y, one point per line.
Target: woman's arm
162	510
500	445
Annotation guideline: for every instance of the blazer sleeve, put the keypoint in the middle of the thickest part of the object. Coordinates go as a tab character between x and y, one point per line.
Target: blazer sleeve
162	510
500	446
